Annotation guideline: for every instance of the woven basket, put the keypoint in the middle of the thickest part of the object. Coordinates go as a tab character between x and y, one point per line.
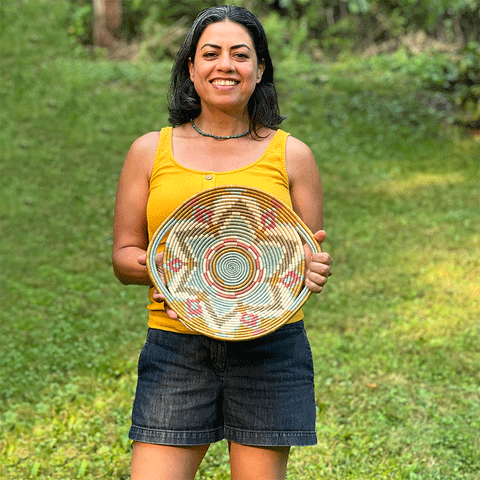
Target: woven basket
233	262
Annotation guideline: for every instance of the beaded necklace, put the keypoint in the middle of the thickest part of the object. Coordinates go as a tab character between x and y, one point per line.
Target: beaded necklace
216	137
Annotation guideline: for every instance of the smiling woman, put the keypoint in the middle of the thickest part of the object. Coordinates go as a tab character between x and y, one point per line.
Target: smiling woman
263	105
225	71
194	390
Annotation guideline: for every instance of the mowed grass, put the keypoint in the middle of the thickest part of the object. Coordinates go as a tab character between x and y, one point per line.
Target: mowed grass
395	335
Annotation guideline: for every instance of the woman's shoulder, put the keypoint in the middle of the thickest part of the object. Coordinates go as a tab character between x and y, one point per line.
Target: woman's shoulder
299	159
142	152
297	148
298	152
146	143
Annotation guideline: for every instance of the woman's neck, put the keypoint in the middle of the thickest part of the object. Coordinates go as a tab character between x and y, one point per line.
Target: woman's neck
222	124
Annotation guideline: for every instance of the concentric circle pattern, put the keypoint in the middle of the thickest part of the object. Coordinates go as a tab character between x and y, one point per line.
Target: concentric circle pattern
234	262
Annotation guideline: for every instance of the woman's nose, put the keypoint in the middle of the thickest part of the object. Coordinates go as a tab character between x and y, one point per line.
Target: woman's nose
225	63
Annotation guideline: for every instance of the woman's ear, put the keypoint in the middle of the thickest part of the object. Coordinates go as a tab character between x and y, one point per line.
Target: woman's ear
190	68
260	70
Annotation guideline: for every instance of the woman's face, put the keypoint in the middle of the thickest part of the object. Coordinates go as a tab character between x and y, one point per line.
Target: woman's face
225	70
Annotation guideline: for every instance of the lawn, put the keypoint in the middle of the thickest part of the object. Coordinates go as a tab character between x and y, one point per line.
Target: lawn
395	334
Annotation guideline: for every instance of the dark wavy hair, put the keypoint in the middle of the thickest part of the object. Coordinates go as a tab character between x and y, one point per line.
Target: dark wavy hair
184	102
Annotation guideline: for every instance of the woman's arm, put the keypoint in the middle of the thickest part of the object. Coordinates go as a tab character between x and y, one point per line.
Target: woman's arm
130	234
307	201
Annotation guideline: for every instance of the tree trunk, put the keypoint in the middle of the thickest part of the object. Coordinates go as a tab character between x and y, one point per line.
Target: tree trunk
107	18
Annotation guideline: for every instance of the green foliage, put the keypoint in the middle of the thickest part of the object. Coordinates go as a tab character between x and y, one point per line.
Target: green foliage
377	20
465	80
289	41
81	21
395	334
457	76
296	28
141	20
363	21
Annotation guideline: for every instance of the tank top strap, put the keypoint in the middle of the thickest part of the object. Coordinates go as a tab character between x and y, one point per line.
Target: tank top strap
164	142
274	157
279	140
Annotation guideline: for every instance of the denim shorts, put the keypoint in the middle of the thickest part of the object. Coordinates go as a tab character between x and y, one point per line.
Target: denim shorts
195	390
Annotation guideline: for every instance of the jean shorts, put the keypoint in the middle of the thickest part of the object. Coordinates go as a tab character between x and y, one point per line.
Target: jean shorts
195	390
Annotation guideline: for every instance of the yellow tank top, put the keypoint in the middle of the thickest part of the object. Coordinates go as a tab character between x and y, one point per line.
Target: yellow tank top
171	184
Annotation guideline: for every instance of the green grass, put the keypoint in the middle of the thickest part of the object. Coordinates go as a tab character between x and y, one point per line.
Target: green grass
395	334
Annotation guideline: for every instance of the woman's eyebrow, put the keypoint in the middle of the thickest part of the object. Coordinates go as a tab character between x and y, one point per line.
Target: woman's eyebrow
233	47
240	45
211	45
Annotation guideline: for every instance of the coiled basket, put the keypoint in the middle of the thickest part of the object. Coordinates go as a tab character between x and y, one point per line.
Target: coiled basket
233	263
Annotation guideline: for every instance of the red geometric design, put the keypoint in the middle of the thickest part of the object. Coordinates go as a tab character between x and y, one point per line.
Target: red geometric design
268	220
203	215
193	307
250	320
291	278
175	265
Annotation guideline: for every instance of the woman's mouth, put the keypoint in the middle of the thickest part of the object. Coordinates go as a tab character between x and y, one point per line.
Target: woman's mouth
224	82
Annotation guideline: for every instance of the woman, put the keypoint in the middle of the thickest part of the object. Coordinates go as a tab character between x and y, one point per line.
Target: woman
193	390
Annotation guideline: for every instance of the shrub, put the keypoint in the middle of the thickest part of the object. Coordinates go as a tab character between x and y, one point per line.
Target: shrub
458	75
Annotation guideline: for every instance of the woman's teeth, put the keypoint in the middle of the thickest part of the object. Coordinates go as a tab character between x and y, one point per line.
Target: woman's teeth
225	82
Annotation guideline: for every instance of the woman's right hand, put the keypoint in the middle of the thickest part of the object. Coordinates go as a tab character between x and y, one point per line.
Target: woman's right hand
158	296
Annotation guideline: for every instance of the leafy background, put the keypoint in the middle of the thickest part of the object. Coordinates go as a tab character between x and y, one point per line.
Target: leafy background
446	32
395	334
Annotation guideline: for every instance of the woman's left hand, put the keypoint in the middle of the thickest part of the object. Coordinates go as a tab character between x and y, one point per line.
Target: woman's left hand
318	266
